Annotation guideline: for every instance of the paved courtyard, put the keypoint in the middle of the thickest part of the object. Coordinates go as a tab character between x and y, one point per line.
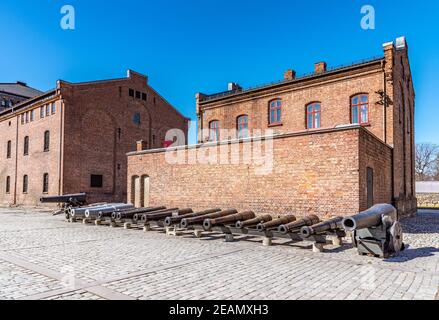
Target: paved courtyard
43	257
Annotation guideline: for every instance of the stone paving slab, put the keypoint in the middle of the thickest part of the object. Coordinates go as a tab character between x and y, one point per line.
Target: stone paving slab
42	255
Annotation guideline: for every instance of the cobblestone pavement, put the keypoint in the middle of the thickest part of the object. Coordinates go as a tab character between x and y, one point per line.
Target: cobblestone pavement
44	257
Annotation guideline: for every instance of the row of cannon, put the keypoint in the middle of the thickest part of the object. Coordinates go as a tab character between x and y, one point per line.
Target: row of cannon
375	231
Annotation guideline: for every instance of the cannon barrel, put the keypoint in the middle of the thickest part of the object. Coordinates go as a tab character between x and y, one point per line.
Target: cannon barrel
330	225
130	213
68	198
169	221
186	222
94	212
380	214
208	224
143	217
297	225
253	222
80	211
115	212
163	215
276	223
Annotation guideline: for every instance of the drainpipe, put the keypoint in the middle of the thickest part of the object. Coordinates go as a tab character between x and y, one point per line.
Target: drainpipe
61	146
16	162
385	102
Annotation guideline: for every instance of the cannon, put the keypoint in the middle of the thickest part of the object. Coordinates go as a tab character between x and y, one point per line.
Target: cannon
169	221
275	223
294	227
208	224
186	222
102	215
74	200
376	231
163	215
94	212
129	214
142	217
253	222
332	225
80	211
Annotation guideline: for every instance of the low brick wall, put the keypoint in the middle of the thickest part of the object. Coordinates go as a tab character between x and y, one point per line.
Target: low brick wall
317	172
428	200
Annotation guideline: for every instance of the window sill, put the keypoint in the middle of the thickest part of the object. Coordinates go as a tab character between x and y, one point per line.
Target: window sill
271	125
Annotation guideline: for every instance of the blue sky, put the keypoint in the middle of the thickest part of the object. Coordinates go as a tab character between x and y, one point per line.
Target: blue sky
198	46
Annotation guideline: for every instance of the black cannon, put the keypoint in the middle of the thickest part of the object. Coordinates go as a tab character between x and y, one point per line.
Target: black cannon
208	224
71	199
253	222
273	224
294	227
169	221
185	223
129	214
142	217
332	225
157	216
376	231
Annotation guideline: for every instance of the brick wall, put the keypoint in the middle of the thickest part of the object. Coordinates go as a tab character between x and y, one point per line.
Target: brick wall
312	173
100	130
333	92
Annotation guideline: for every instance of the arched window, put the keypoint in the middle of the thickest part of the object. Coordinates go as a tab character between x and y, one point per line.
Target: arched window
275	112
26	146
360	109
8	184
214	130
25	183
313	115
46	183
46	141
242	126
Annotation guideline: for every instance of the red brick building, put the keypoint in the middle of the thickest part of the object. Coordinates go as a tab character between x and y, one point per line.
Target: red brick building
75	138
343	140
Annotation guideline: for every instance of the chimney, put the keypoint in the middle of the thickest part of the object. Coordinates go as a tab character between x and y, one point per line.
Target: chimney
232	86
401	43
290	74
141	145
320	67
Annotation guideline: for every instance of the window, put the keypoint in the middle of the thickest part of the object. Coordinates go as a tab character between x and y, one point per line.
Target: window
96	181
360	109
41	112
275	112
137	118
242	127
214	134
25	183
137	94
26	146
131	93
47	110
8	149
8	184
46	183
46	141
53	108
27	116
22	118
313	115
143	96
32	115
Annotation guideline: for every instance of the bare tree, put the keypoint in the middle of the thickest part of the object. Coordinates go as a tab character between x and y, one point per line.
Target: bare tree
426	157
